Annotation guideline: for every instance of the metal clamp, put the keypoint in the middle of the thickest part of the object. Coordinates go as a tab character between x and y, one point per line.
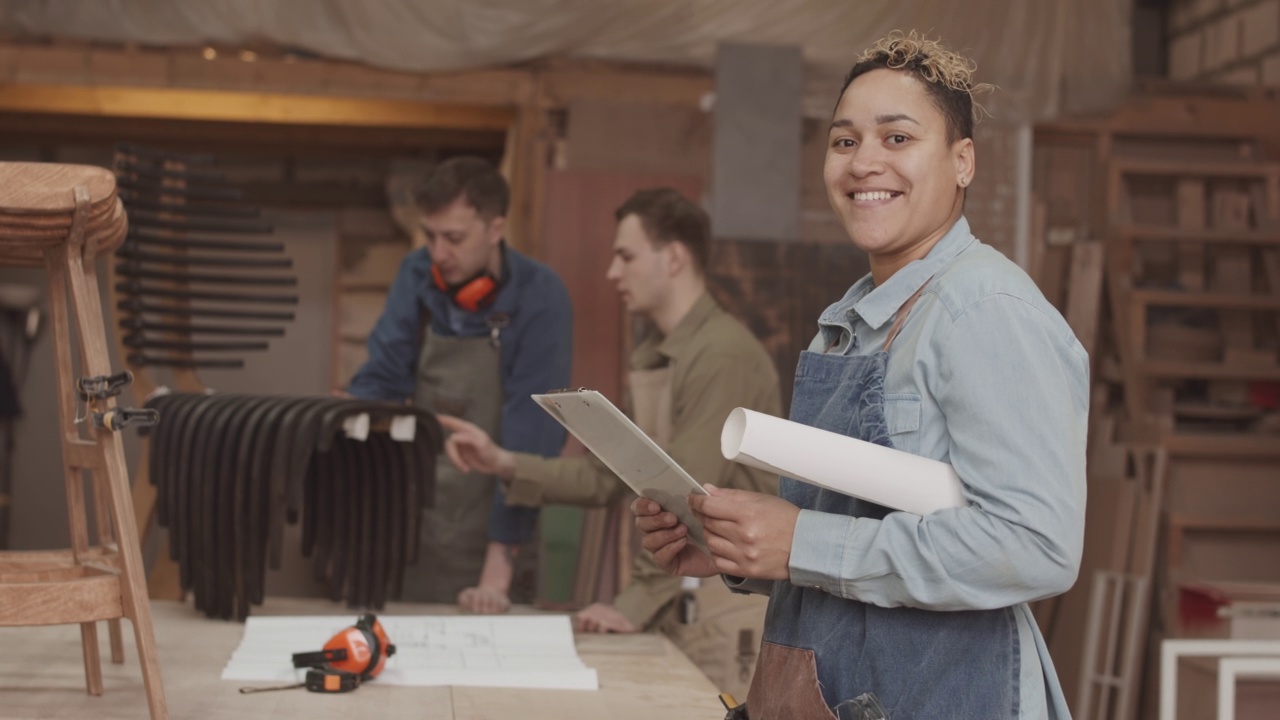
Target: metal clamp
101	387
117	419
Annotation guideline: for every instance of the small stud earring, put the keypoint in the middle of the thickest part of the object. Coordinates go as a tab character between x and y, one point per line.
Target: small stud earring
964	182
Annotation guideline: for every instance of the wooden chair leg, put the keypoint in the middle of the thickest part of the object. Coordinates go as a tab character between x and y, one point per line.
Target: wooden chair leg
106	536
73	477
92	663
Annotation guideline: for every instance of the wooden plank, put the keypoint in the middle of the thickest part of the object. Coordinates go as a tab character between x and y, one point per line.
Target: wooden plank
1120	604
1172	340
1181	115
60	601
1232	271
1223	486
1191	217
250	107
1157	233
1128	322
1054	270
1123	506
566	80
1219	446
1084	294
525	166
1174	369
1267	212
1232	209
1151	476
1039	213
1176	167
212	136
1271	270
1225	299
1179	524
1101	211
23	560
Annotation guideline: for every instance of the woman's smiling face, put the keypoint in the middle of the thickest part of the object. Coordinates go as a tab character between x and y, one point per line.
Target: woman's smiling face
892	176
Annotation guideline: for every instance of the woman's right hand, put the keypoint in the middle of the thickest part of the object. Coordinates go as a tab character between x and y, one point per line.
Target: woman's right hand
667	539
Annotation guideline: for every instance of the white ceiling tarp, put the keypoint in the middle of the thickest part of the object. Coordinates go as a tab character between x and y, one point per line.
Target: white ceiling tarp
1049	57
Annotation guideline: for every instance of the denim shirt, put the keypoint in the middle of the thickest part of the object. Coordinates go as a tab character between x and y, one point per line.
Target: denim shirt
987	376
536	354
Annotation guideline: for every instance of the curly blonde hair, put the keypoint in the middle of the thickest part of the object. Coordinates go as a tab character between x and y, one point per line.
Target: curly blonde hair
947	76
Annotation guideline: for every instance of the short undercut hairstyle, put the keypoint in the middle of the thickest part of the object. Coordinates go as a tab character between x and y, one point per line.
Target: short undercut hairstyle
472	178
947	76
667	216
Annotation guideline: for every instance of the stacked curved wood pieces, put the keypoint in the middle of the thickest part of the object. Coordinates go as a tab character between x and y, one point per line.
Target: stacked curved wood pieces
37	207
62	217
186	261
231	470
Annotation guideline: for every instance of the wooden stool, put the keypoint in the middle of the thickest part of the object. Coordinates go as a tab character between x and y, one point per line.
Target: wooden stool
62	216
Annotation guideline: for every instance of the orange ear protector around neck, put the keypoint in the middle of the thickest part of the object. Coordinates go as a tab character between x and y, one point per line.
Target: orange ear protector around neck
473	295
354	655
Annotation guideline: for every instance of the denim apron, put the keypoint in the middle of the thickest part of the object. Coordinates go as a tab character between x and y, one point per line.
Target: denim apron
822	651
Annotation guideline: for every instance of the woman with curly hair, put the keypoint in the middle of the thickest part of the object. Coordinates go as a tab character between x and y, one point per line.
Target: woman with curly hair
946	350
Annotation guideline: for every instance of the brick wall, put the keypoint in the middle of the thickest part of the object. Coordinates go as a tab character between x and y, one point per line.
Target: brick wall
1234	42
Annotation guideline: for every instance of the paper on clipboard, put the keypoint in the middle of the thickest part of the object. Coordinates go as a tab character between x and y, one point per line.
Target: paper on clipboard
627	451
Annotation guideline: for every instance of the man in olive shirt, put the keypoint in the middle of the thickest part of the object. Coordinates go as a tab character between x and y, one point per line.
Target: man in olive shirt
686	376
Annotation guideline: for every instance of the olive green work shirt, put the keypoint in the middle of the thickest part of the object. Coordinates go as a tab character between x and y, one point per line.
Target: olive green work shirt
716	365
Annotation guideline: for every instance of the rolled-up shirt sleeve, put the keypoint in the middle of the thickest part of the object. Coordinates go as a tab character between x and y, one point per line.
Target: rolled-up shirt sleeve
1012	388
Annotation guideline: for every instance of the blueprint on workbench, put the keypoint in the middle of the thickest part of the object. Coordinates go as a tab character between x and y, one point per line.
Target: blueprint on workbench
535	651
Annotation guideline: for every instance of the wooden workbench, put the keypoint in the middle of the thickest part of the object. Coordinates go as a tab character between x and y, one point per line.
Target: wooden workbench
42	676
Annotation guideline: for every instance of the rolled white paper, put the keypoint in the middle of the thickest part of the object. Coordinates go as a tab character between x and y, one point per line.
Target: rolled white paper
867	471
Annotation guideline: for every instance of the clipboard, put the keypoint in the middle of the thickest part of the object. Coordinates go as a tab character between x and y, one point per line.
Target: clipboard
627	451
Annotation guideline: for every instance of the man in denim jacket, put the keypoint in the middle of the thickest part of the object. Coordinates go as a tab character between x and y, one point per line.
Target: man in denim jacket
472	328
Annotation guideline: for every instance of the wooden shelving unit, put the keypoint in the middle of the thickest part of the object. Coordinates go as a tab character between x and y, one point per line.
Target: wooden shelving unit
1224	216
1186	365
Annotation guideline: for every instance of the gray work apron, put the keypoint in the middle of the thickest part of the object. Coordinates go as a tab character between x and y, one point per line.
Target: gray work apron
822	651
461	376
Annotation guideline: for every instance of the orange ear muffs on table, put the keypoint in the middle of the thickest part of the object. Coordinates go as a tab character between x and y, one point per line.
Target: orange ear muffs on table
355	654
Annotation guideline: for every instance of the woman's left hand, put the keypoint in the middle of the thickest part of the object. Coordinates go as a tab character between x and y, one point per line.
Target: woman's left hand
749	534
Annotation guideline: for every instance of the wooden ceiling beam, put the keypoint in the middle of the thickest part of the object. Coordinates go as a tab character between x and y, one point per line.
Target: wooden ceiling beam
250	107
202	136
565	81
